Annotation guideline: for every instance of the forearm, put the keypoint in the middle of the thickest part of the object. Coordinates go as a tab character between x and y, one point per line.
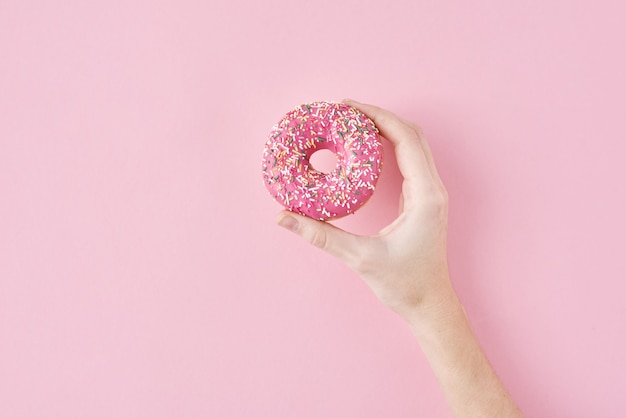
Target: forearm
468	381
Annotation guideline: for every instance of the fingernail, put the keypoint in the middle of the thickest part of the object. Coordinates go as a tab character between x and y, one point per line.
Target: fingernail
288	222
351	101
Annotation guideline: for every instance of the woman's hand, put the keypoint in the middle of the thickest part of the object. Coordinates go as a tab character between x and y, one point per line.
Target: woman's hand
405	264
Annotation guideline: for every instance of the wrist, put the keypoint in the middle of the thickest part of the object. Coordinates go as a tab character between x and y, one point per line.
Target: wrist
439	310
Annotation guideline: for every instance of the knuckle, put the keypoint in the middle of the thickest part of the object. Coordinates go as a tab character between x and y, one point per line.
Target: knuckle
367	260
441	203
444	198
437	202
364	264
417	129
319	239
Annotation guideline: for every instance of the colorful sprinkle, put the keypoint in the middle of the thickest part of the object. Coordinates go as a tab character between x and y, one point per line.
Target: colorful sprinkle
294	183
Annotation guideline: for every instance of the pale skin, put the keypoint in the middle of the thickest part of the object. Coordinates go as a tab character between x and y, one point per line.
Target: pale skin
406	267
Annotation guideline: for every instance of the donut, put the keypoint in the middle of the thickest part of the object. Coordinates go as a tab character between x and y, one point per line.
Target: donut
342	129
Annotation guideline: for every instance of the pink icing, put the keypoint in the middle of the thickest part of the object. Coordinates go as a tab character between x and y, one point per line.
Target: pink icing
294	183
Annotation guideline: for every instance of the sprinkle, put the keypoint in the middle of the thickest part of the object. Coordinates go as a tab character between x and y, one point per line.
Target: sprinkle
286	168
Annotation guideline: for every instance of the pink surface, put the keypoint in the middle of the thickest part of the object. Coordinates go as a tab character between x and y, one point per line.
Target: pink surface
142	275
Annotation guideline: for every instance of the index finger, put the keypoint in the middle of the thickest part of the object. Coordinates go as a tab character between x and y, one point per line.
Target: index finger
410	154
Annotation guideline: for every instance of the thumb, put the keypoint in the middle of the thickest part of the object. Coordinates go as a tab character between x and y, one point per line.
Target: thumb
333	240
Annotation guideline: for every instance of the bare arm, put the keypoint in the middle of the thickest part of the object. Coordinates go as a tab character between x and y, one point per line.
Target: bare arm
469	383
405	265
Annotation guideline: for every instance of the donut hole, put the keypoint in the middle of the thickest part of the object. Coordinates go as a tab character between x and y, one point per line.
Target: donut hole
324	161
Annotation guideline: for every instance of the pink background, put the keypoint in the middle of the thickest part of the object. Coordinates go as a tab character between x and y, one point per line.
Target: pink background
142	275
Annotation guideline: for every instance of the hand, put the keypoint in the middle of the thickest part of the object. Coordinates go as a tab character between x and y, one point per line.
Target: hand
405	264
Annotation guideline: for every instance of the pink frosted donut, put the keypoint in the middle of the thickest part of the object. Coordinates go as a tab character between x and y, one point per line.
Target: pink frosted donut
342	129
